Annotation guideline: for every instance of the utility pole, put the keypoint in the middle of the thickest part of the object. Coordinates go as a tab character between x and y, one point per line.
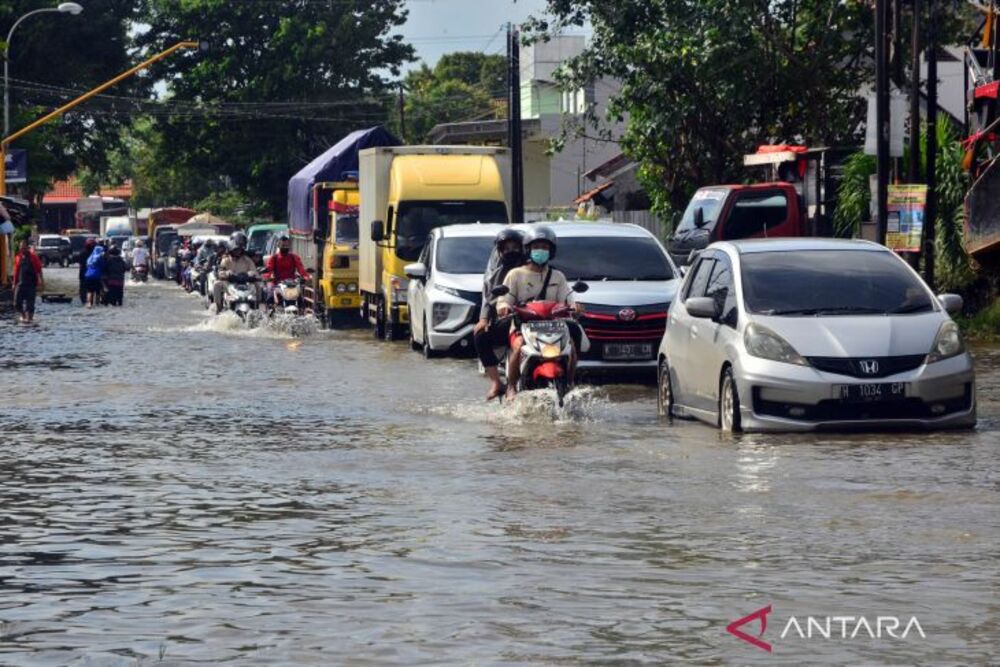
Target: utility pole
897	67
402	113
913	175
930	212
514	139
881	118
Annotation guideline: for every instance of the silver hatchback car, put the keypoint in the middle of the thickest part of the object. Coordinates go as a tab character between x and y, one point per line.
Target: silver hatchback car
807	334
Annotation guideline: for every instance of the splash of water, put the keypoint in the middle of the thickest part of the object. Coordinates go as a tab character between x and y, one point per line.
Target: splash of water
583	404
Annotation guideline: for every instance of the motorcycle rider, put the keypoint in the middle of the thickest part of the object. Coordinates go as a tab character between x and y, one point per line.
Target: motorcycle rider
235	263
140	256
284	265
490	331
536	281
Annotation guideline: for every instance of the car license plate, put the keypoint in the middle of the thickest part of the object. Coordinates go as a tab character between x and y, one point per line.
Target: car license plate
871	392
628	351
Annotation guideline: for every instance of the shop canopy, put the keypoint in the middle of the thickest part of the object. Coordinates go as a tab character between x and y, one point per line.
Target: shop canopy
332	165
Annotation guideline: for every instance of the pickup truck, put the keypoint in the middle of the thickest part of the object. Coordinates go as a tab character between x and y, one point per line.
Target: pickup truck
53	249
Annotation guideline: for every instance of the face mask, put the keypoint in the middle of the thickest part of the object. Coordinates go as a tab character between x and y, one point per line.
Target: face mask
509	259
540	257
284	251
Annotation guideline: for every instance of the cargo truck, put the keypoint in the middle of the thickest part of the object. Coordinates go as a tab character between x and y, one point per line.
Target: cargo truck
406	191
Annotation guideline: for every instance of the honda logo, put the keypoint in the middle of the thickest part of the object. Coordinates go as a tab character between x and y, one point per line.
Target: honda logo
868	366
626	315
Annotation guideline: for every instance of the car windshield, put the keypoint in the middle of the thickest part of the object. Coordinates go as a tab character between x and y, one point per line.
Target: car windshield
347	229
416	219
464	254
710	201
611	258
49	243
831	282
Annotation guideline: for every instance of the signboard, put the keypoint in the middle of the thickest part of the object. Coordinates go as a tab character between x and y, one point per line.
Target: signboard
905	223
17	165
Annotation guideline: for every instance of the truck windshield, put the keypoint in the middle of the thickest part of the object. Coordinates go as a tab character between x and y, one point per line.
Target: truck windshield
608	258
416	219
164	240
710	201
258	240
464	254
346	229
831	282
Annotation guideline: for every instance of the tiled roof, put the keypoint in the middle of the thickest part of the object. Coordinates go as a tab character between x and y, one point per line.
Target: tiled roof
68	192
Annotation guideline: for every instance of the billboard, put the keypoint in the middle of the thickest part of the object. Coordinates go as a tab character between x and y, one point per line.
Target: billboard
17	165
905	223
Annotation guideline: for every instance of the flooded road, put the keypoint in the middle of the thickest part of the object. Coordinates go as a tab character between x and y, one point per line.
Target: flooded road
179	491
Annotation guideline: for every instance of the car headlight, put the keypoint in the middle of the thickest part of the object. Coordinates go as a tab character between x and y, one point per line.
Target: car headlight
352	287
948	343
764	343
341	288
441	311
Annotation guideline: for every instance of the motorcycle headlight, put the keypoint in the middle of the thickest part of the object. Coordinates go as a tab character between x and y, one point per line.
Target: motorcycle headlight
763	343
550	351
947	344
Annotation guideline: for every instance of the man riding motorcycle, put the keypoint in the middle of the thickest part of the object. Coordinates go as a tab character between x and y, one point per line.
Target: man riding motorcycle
284	265
490	331
235	263
536	281
140	256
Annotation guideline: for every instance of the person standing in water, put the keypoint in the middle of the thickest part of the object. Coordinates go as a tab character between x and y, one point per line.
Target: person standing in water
93	275
28	281
114	276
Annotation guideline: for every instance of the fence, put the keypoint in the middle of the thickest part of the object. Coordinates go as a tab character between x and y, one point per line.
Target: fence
645	219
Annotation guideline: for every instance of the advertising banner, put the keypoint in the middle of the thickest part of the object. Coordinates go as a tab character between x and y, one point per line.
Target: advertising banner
17	165
905	223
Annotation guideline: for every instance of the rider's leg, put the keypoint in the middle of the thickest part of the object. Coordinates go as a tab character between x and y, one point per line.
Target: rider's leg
514	365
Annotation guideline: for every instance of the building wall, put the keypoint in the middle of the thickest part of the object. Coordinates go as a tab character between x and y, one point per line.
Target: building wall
537	174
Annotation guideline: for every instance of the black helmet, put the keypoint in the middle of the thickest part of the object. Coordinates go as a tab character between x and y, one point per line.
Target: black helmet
540	233
508	234
284	237
238	240
210	243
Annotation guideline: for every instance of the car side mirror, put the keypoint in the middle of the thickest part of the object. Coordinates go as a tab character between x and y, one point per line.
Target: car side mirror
699	217
416	271
703	307
580	287
499	291
952	303
378	231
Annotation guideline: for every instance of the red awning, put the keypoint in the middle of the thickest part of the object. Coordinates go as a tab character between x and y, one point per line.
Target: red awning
590	194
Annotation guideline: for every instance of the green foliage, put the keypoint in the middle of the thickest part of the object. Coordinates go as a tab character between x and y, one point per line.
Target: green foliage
984	325
234	207
854	195
54	58
462	86
21	233
281	82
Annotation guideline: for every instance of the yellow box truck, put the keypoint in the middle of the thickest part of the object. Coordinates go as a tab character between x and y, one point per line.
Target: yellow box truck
406	191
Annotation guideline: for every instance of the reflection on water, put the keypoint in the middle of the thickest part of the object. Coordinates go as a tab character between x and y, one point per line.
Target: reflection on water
180	489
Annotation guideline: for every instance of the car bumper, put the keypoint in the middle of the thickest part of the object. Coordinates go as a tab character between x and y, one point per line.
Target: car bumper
452	341
601	366
785	397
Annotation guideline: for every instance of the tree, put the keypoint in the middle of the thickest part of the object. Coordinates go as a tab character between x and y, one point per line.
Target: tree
462	86
281	82
703	83
54	58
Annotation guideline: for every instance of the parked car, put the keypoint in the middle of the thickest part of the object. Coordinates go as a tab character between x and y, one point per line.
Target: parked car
53	249
807	334
446	285
632	281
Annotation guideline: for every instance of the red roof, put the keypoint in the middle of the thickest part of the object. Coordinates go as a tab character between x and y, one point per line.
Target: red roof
68	192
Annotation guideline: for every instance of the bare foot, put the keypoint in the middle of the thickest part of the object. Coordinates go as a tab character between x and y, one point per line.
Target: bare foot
496	390
511	393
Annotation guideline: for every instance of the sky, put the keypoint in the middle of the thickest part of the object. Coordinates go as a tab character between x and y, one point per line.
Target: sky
436	27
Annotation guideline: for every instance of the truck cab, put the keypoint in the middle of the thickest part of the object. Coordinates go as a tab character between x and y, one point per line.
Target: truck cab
729	212
337	244
408	191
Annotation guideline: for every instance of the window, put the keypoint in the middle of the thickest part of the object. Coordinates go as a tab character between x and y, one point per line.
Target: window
346	229
754	214
416	219
709	201
598	258
722	289
699	277
464	254
831	282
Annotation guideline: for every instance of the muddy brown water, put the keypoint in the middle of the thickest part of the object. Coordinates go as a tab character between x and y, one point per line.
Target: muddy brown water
177	490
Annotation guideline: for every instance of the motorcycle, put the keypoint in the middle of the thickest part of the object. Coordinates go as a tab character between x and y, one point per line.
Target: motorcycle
547	354
241	295
197	278
140	273
288	296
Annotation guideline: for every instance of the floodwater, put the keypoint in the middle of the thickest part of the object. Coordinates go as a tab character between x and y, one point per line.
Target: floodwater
176	490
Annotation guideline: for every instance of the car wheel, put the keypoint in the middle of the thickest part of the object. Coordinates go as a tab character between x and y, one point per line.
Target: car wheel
64	263
729	404
665	392
426	348
414	345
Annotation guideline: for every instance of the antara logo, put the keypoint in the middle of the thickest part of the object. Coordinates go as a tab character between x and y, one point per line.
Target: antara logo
827	627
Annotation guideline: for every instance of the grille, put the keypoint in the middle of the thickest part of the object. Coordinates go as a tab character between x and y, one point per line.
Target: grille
853	366
602	323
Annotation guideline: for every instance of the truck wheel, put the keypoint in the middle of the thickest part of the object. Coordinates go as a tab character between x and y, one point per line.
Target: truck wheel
379	329
319	309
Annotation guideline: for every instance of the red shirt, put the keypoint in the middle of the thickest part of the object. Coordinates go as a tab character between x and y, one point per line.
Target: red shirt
35	262
285	267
